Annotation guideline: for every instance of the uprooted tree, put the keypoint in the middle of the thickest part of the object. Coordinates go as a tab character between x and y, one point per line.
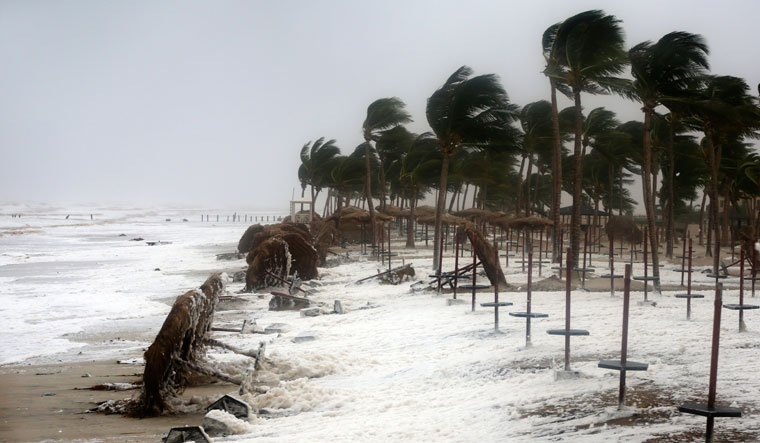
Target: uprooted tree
178	348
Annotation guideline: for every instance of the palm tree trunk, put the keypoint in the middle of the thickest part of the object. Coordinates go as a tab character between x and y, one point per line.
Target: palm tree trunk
410	227
453	199
670	229
713	197
556	174
382	184
527	185
368	191
702	217
464	197
649	197
575	218
520	185
313	198
620	189
439	209
611	179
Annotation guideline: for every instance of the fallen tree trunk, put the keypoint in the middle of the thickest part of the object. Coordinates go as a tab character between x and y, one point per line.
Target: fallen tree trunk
486	254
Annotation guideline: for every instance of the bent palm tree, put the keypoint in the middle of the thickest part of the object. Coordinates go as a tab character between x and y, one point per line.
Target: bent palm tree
661	72
382	114
468	111
589	48
312	171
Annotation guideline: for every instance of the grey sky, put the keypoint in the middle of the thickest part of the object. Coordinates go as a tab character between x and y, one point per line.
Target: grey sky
208	103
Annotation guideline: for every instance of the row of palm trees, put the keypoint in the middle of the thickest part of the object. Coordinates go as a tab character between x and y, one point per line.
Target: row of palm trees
478	137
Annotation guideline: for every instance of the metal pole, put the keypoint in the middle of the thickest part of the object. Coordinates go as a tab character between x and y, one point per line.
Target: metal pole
624	345
561	244
688	288
496	289
530	283
754	273
714	359
741	291
567	309
456	263
440	266
646	267
683	257
585	244
389	246
540	249
612	264
474	269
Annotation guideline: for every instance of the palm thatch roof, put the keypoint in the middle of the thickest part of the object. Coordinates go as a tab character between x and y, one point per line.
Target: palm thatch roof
473	213
446	219
530	223
393	211
363	217
424	210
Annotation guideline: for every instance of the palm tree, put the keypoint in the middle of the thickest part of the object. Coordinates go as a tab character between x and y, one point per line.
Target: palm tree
314	159
390	146
419	167
724	111
536	120
468	111
662	71
589	54
382	114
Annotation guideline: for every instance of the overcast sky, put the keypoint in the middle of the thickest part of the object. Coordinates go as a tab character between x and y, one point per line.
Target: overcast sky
208	103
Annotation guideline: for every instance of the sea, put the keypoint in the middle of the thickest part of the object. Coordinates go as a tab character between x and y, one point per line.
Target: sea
70	274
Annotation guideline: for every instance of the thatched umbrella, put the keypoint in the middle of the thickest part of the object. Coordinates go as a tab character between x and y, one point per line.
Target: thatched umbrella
364	218
446	219
393	211
424	210
530	223
473	213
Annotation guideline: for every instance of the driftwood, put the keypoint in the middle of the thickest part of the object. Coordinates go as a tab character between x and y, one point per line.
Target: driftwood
486	255
181	339
400	272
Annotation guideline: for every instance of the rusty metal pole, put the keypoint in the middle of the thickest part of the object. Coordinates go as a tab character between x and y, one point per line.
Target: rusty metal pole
456	263
474	270
496	290
646	267
612	264
561	245
530	283
382	242
754	267
683	256
624	345
440	266
540	250
741	291
688	287
567	308
714	359
389	247
583	272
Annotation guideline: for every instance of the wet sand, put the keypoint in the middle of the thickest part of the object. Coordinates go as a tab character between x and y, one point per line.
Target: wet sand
30	415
